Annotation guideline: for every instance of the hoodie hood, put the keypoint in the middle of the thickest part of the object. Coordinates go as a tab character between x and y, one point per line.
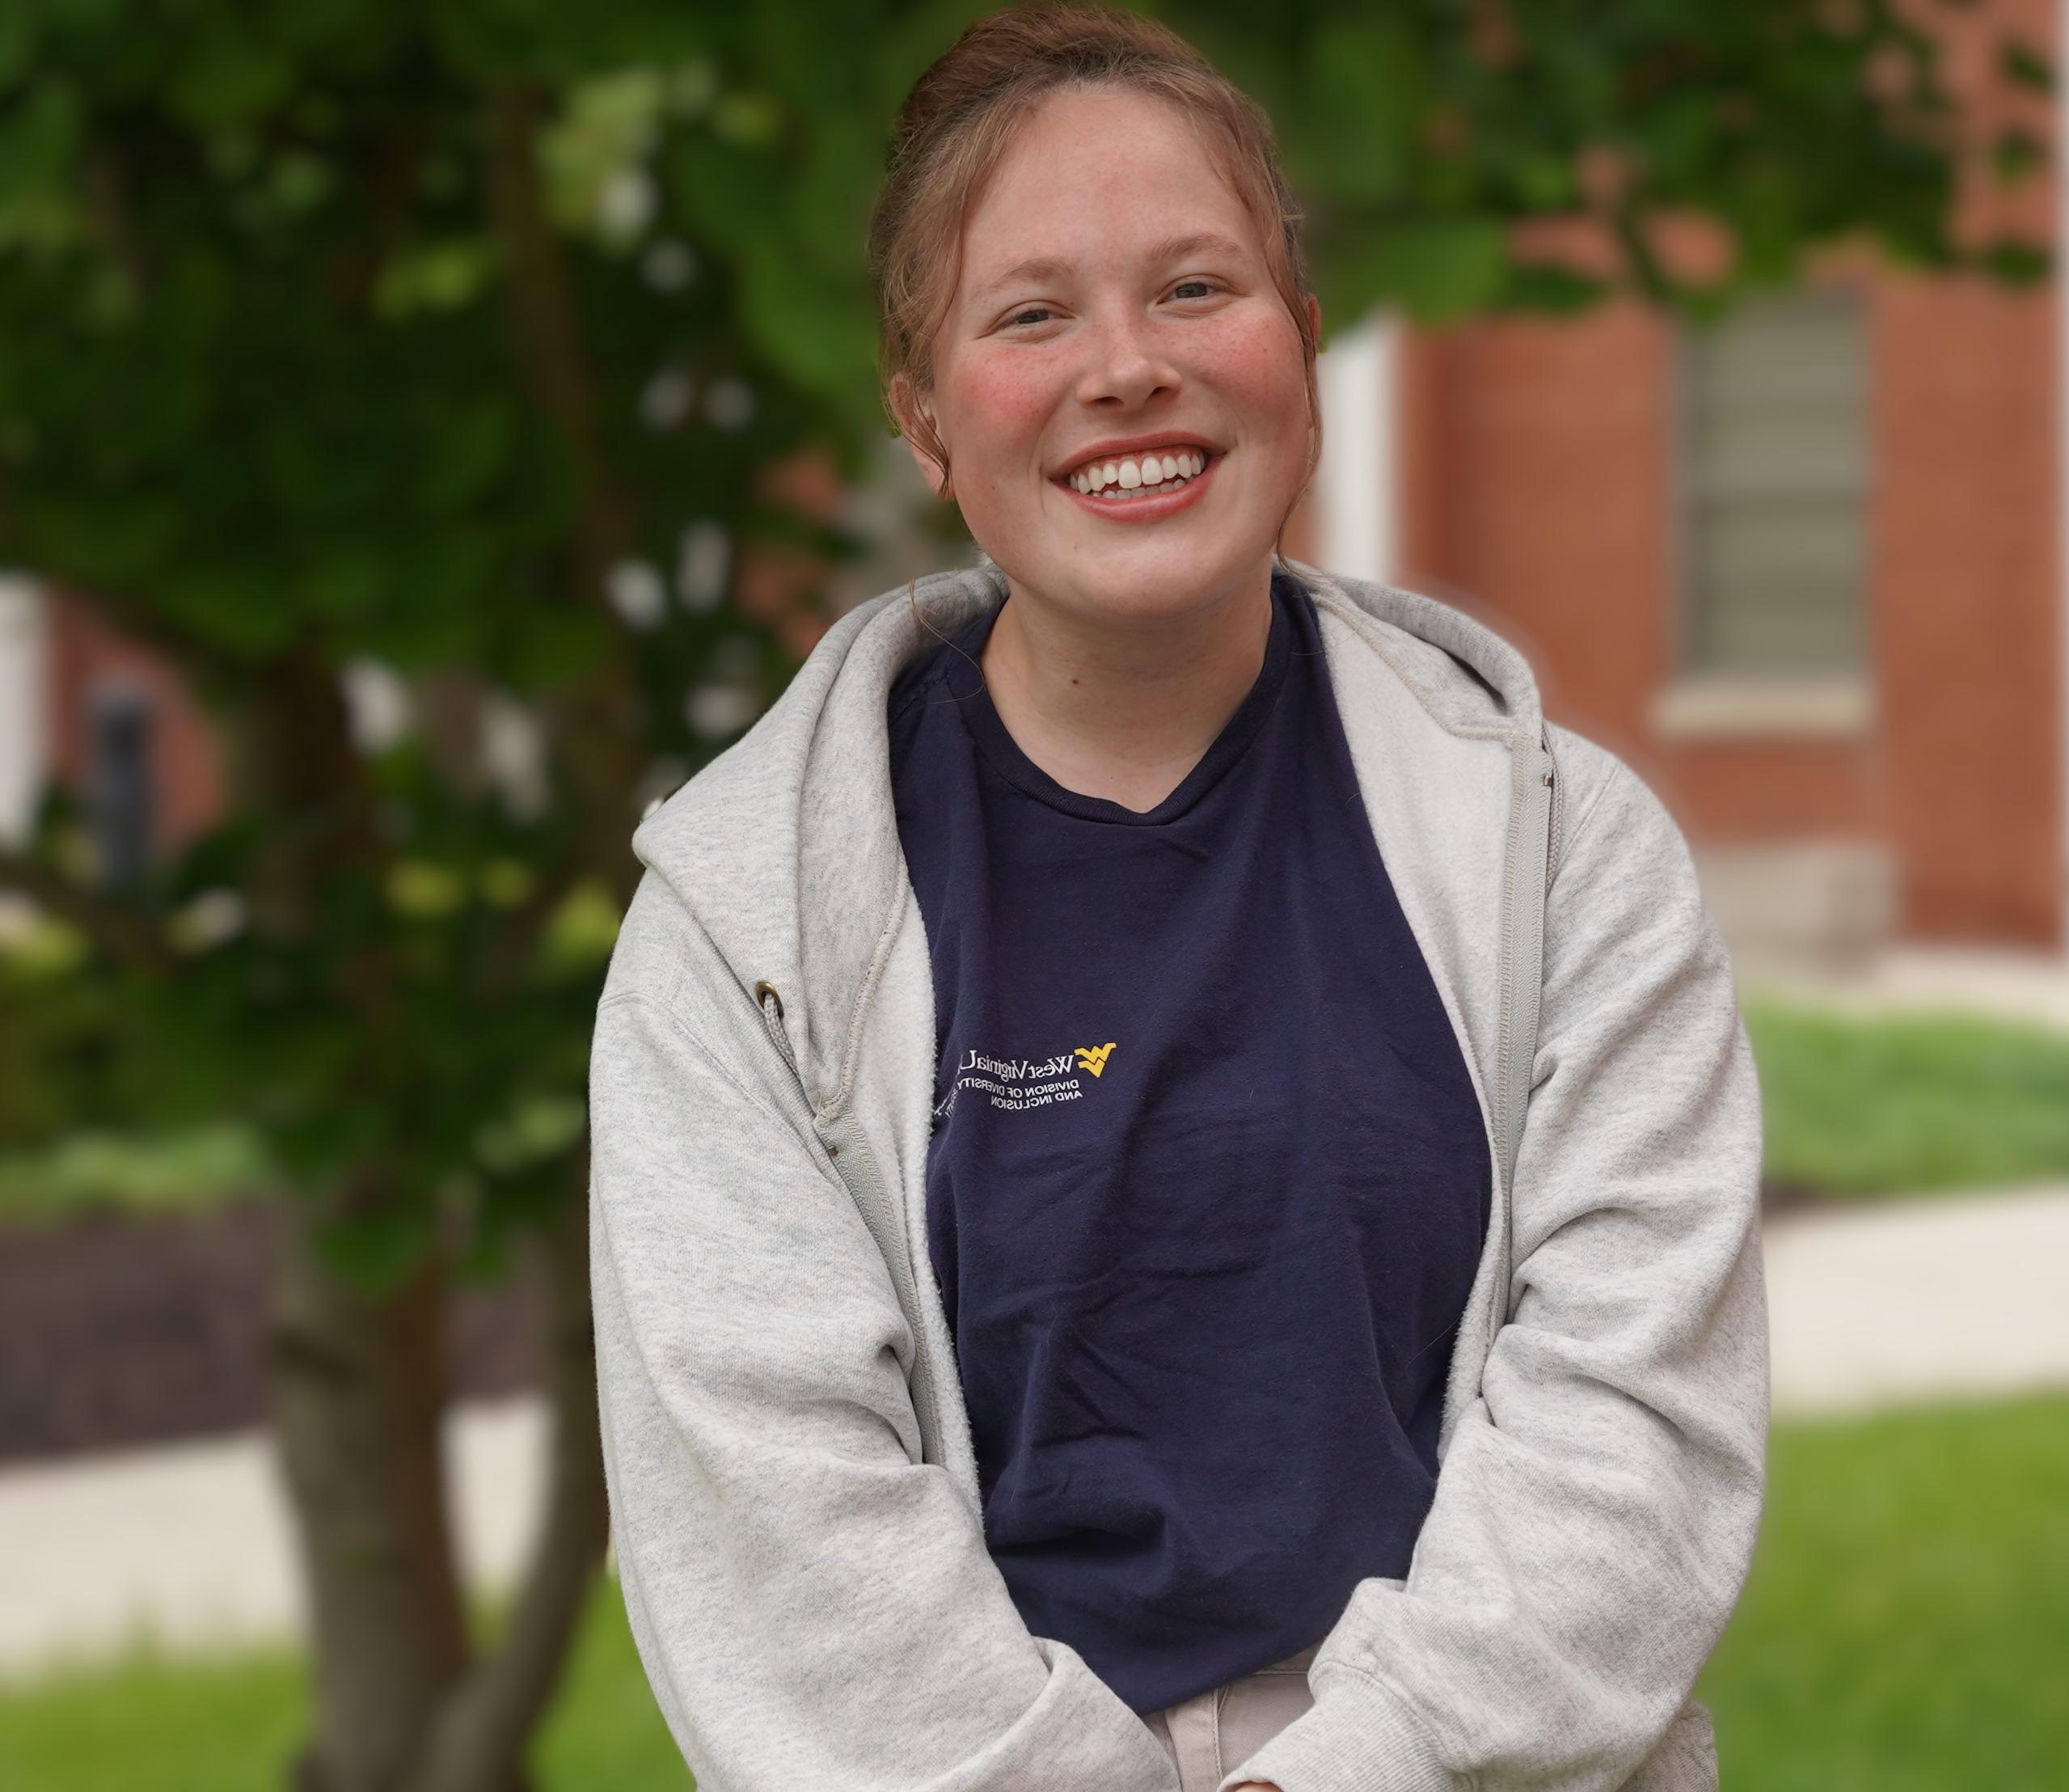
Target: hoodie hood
785	847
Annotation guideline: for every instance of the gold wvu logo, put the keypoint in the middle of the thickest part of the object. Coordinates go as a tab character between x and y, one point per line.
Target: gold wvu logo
1093	1058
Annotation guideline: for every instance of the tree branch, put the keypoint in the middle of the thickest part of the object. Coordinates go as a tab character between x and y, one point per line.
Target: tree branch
1648	273
105	182
551	359
598	720
478	1740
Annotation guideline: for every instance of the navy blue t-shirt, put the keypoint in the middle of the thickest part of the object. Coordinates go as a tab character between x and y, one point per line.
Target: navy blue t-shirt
1207	1183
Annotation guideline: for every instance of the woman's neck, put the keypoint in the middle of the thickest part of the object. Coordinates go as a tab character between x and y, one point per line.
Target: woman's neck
1124	710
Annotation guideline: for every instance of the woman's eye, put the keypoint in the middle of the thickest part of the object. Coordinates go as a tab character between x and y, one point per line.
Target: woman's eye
1208	287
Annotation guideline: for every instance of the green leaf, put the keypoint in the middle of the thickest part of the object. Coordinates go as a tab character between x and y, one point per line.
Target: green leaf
446	274
583	930
2025	66
1438	268
229	78
1763	209
348	580
125	544
1541	286
2016	262
550	645
239	606
469	450
748	120
732	199
425	891
823	337
1369	95
17	34
39	142
2015	154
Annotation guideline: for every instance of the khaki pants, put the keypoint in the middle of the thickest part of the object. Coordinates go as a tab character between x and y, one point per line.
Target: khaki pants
1218	1729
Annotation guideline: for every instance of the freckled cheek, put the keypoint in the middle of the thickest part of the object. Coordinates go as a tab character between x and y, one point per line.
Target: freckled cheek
1254	365
1004	408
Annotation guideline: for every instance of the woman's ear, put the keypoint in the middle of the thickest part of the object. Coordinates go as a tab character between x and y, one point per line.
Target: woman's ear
915	420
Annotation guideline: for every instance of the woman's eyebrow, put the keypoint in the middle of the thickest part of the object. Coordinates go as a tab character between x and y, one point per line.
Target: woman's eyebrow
1053	267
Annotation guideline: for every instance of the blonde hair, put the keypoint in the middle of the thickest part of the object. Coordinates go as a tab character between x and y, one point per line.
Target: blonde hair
961	116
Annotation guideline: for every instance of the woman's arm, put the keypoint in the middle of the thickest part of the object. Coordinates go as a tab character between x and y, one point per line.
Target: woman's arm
1595	1512
816	1609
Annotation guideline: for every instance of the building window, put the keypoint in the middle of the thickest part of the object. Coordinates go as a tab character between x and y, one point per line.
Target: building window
121	780
1774	458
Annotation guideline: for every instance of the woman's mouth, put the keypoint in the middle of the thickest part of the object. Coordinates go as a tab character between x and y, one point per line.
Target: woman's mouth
1127	493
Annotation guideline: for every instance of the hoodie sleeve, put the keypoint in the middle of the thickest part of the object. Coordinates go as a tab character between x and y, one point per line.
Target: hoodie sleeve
1594	1514
816	1609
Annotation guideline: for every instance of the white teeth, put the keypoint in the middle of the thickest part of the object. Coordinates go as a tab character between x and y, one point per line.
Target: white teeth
1146	470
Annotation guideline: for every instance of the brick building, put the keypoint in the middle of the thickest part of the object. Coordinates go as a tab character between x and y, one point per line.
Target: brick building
1804	569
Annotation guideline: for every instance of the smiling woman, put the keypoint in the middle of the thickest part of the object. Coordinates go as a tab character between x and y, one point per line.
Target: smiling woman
1113	373
1175	1204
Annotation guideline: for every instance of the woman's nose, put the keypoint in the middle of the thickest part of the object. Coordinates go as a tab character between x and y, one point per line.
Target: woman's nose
1125	362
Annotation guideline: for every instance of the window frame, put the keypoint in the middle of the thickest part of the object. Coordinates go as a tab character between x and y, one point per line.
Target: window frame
1705	699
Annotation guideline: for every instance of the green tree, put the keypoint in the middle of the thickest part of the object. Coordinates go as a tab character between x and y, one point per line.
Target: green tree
455	337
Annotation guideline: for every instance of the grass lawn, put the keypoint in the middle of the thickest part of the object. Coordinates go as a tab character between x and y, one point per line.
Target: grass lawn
1907	1103
1906	1629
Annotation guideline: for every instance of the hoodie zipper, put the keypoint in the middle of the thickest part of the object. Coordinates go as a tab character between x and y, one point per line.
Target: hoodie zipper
855	1165
1510	1111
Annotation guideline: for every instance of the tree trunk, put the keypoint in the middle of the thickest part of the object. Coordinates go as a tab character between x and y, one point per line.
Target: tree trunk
400	1706
358	1392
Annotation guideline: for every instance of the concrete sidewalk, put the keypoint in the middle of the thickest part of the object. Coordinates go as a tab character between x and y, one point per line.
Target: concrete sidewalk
192	1544
1945	1297
1919	1300
2004	983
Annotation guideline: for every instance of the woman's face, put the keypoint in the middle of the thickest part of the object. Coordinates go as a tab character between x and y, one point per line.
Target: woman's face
1113	288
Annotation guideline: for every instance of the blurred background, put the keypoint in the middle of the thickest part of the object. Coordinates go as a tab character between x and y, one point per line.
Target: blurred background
430	433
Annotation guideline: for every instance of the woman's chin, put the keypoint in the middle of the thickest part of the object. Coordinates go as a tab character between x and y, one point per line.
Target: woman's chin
1142	586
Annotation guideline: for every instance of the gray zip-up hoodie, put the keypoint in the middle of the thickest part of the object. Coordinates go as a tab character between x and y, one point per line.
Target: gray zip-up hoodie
793	1492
